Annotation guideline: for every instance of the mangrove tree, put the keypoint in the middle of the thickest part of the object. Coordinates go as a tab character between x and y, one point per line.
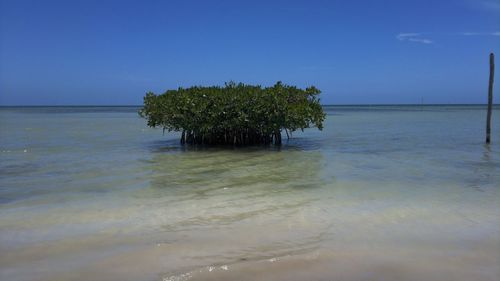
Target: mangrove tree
235	114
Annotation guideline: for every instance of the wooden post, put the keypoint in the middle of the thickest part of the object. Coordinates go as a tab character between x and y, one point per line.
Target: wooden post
490	98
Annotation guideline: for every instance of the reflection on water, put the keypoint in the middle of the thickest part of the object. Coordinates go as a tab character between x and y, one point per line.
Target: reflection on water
222	187
383	193
262	168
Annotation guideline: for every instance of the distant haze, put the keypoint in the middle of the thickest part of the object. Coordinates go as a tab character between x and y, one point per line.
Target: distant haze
356	52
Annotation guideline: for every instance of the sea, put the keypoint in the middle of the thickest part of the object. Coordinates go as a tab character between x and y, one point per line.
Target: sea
383	192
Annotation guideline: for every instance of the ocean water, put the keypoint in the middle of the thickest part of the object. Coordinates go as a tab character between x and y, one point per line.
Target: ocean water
382	193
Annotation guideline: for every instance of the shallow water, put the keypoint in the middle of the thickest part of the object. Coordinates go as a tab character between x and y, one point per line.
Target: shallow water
382	193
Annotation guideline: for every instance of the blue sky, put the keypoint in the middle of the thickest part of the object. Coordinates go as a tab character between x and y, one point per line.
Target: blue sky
357	52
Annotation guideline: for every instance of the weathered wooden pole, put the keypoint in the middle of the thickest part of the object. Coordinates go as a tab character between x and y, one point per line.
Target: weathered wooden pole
490	98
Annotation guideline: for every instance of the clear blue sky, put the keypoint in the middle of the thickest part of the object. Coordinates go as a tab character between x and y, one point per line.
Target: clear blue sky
112	52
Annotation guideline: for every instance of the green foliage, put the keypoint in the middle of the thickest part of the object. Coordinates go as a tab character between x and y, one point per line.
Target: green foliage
234	114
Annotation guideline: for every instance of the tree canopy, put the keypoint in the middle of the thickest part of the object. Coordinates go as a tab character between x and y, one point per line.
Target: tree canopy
235	114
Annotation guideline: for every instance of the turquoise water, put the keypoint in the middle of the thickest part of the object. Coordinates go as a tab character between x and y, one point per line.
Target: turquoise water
382	193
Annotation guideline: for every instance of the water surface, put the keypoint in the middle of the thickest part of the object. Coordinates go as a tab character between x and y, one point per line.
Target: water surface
382	193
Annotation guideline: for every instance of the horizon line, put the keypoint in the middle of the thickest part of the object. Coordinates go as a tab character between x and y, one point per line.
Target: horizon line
344	104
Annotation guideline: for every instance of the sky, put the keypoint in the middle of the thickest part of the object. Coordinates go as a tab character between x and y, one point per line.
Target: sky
356	52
